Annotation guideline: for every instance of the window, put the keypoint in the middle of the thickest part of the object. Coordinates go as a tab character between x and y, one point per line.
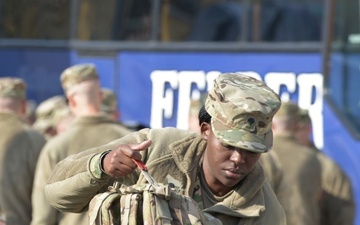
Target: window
163	20
342	85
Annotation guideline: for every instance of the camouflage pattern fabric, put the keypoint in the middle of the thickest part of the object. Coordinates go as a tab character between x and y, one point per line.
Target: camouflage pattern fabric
12	87
146	204
242	109
77	74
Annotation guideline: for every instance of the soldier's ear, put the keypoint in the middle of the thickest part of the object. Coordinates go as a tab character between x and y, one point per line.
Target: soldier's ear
23	107
71	102
205	129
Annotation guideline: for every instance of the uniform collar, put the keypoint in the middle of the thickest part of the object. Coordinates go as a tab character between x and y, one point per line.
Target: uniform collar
248	198
83	120
188	152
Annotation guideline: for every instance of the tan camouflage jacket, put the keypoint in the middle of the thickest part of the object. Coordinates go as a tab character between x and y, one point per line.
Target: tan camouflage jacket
174	156
85	132
20	147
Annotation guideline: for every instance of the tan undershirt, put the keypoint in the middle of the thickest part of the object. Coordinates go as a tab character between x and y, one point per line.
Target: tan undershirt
209	199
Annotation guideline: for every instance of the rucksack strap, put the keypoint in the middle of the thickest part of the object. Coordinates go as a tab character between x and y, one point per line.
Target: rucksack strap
130	203
163	212
96	214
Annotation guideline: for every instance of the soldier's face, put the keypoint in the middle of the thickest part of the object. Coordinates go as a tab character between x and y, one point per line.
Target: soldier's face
224	166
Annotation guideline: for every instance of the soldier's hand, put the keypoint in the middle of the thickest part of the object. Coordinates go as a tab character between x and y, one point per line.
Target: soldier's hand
119	163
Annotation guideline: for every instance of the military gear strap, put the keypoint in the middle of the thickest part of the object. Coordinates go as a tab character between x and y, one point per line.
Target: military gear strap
153	204
97	218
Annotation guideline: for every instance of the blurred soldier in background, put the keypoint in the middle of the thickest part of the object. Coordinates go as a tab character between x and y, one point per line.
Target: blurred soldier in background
63	119
337	203
45	113
30	111
20	146
302	169
109	104
195	106
90	128
274	172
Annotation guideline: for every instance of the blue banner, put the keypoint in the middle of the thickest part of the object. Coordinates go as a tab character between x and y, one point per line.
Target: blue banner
177	74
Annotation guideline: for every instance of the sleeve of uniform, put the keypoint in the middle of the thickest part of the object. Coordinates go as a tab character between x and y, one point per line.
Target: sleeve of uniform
42	212
76	179
37	143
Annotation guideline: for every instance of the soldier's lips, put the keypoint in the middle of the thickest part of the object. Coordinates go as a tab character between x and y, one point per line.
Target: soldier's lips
233	171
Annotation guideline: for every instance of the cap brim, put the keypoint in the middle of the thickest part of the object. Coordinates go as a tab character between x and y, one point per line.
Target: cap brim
242	139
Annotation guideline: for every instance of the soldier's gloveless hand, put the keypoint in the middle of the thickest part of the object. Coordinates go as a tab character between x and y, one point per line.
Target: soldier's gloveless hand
118	162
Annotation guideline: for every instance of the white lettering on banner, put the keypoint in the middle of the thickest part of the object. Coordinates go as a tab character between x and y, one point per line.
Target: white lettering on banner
162	104
210	77
186	79
276	80
162	107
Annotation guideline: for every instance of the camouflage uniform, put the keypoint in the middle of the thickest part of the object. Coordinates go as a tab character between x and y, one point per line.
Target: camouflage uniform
175	156
302	171
20	146
84	132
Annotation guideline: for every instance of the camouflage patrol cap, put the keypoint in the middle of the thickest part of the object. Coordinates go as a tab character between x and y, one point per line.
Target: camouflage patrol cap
46	111
77	74
61	114
108	101
242	109
12	87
